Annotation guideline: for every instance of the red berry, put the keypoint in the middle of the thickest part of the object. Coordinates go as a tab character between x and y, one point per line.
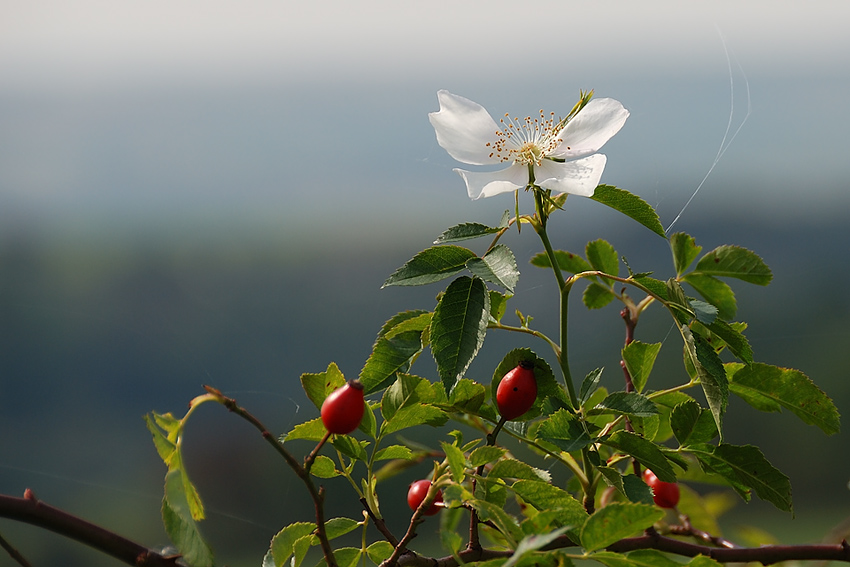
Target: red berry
517	391
416	494
343	409
665	494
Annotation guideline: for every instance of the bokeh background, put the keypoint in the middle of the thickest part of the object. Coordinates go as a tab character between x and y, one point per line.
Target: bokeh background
213	192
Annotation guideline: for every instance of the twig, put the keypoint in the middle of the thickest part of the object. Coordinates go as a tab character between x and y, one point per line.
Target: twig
318	495
14	553
380	524
33	511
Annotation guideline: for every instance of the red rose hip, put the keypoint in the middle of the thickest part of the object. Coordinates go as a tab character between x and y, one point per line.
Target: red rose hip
417	493
664	494
517	391
343	409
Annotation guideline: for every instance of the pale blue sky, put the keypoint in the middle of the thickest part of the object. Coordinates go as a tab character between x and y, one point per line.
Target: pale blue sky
204	110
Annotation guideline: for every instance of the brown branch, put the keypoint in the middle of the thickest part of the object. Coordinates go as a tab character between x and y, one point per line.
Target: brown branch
380	524
318	495
14	553
33	511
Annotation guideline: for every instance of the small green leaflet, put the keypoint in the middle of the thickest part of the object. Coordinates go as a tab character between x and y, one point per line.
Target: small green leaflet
630	205
466	231
567	261
431	265
640	358
629	403
716	292
646	452
497	266
617	521
685	251
735	262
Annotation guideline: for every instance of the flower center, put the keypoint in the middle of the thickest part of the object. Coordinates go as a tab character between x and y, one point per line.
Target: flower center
526	141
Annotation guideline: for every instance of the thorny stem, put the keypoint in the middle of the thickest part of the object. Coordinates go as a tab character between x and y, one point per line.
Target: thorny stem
317	495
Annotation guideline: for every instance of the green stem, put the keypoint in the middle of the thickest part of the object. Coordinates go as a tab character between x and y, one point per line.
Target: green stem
564	358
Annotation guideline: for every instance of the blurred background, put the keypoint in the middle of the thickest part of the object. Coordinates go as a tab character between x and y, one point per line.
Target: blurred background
213	193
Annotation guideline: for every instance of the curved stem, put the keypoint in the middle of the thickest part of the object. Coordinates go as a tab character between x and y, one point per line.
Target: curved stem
555	348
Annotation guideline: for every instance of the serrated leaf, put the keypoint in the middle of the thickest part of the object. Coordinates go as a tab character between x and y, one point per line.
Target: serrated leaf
603	258
735	262
486	454
656	287
503	521
512	468
458	328
164	447
313	430
733	339
704	312
411	416
180	521
630	205
565	431
497	266
629	403
567	261
646	452
336	527
350	446
418	323
467	396
389	356
498	304
465	231
588	385
640	358
685	251
407	390
745	464
324	467
716	292
456	460
431	265
545	496
762	384
616	521
398	319
379	552
637	490
319	386
596	296
708	367
394	452
692	424
531	543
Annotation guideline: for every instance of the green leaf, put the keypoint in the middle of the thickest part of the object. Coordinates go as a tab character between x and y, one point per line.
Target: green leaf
164	446
458	328
746	465
735	262
466	231
467	396
637	490
533	543
656	287
394	452
396	320
733	339
704	312
640	358
344	557
431	265
770	388
379	552
567	261
588	385
406	391
630	205
283	543
319	386
336	527
617	521
685	251
313	430
497	266
603	258
596	296
503	521
324	467
565	431
350	446
629	403
545	496
512	468
712	375
180	520
411	416
692	424
646	452
456	460
639	558
390	355
716	292
486	454
498	304
418	323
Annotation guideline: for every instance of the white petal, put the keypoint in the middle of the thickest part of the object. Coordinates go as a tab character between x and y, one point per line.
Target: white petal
577	177
464	128
594	125
488	183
